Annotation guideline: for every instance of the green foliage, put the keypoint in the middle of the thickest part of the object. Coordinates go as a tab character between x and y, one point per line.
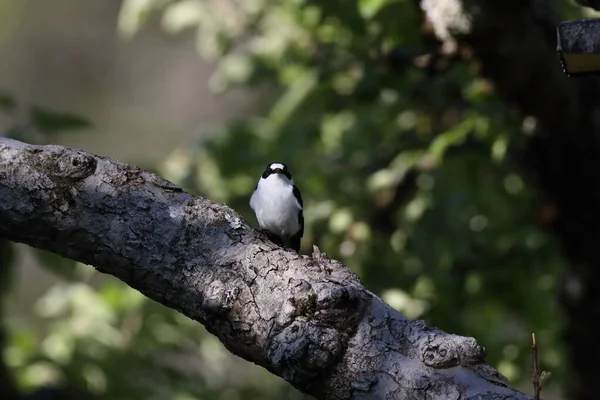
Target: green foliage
7	103
38	123
49	121
408	177
117	344
61	266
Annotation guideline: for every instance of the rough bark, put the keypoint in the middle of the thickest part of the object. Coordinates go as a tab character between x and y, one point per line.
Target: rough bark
515	43
307	319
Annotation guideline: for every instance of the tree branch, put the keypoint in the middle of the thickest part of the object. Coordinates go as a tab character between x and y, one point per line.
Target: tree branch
306	319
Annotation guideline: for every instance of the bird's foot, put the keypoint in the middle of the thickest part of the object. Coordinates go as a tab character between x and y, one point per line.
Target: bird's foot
264	232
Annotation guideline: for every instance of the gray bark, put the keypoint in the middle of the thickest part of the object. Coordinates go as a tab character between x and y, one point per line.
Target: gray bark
307	319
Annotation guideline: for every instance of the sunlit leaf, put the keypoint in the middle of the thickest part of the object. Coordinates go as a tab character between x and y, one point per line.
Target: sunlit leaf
134	13
181	15
368	8
452	137
121	297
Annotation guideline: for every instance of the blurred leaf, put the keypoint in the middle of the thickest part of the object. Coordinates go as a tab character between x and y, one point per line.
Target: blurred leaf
59	265
182	15
368	8
121	297
22	133
7	102
7	267
452	137
293	98
22	345
51	122
134	13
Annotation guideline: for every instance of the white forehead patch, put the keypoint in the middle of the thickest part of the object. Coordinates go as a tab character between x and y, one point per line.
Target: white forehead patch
275	166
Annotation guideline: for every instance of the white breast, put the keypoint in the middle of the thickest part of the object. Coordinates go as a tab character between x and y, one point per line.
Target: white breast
275	206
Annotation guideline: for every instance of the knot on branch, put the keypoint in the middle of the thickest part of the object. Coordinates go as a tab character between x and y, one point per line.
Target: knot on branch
490	374
301	301
446	351
313	329
334	269
62	163
302	350
339	304
218	298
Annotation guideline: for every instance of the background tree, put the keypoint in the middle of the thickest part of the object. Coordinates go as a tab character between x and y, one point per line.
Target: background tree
412	169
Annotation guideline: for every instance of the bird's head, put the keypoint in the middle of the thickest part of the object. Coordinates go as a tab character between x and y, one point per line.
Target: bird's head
277	169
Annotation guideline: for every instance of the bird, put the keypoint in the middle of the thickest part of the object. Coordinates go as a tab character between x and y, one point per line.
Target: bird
278	206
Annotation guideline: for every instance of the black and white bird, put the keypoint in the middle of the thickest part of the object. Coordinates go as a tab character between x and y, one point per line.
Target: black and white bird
277	203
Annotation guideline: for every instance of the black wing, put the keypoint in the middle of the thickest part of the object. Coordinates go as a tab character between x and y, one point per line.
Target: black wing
297	238
298	197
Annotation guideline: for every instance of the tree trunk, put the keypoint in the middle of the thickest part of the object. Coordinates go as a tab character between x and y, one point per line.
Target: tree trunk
307	319
516	45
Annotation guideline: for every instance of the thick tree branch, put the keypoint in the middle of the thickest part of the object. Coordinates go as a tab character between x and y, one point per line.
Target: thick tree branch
307	319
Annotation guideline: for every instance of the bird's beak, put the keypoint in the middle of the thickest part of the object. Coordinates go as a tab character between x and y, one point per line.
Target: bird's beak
278	171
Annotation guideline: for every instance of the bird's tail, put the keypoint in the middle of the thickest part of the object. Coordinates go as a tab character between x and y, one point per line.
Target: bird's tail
294	243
